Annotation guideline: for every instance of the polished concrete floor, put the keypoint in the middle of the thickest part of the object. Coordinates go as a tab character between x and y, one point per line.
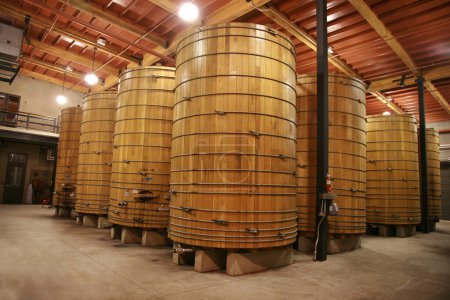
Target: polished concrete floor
42	257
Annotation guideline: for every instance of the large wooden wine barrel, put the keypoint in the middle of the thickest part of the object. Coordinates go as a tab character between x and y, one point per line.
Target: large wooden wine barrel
346	158
434	175
142	141
233	151
393	187
67	160
95	154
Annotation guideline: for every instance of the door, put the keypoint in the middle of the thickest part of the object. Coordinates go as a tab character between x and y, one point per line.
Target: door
15	178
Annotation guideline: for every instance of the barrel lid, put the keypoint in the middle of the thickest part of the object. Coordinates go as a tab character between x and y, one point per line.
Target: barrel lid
71	109
140	68
234	25
397	116
334	75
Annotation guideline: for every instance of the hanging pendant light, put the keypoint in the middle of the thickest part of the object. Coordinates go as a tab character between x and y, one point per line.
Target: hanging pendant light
188	12
91	78
61	99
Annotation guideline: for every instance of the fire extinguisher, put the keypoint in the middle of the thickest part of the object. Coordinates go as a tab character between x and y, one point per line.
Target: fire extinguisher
328	183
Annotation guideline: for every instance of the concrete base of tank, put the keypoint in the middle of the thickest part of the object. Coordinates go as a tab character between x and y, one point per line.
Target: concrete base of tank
234	262
335	245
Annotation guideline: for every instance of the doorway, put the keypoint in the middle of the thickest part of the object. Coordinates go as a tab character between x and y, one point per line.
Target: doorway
15	178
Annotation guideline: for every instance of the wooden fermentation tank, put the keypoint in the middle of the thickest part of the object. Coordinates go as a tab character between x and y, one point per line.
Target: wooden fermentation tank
95	154
67	161
434	175
233	152
346	158
393	187
142	142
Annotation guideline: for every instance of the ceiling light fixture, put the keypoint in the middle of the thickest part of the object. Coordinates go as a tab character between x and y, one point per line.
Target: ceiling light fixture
188	12
61	99
386	113
91	78
101	41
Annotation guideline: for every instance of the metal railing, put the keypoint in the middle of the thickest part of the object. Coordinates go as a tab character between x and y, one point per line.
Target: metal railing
29	121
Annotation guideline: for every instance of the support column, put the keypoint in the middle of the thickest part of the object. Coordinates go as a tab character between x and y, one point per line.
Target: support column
425	227
322	130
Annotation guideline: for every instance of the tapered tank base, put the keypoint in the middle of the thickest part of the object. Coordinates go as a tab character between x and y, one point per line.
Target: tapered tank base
103	223
90	220
344	244
394	230
210	260
116	232
151	238
131	236
64	212
251	262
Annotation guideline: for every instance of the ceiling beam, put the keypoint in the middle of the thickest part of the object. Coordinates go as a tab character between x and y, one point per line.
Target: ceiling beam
270	12
387	102
75	35
117	37
29	73
54	67
302	35
394	82
232	10
115	20
167	5
67	55
391	40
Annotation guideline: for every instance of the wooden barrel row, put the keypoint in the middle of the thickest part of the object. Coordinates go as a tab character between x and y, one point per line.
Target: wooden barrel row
67	160
346	158
95	153
393	187
233	147
434	175
142	142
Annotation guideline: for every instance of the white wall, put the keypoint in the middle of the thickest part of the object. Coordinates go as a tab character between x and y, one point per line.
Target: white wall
38	96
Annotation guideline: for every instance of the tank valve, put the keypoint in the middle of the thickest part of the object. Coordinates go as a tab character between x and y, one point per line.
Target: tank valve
334	209
180	250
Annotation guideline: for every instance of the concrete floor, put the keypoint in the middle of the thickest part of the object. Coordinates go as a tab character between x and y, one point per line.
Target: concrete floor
42	257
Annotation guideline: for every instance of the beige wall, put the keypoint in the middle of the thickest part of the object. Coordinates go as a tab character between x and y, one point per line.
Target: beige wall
39	96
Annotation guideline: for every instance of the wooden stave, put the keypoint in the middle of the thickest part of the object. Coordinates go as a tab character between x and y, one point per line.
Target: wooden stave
346	105
434	177
211	94
97	128
404	206
66	166
138	83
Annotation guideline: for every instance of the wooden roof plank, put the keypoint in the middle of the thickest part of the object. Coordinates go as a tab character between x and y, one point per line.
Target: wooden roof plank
98	12
390	39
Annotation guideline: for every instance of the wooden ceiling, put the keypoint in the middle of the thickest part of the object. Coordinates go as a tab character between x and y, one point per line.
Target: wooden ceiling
375	40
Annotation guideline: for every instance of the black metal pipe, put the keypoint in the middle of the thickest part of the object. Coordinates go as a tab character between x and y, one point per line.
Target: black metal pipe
425	226
322	130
